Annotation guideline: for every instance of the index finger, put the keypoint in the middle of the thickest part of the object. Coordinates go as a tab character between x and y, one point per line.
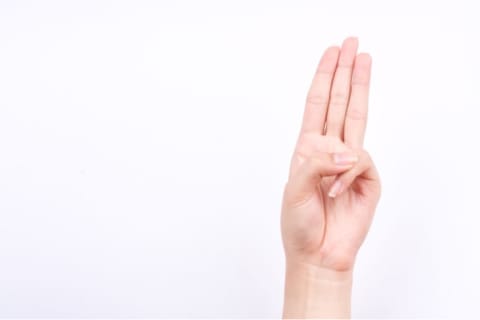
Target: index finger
319	92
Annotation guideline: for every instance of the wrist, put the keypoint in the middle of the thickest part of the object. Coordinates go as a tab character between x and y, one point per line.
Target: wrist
319	273
315	292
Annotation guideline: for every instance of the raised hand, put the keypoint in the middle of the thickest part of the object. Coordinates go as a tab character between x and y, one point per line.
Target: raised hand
333	186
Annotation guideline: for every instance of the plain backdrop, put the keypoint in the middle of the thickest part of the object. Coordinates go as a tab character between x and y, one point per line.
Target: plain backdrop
144	146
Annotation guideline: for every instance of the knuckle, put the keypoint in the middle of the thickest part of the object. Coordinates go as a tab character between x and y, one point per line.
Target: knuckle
308	143
314	142
337	140
302	149
356	114
365	159
317	100
366	155
334	127
333	121
339	97
336	144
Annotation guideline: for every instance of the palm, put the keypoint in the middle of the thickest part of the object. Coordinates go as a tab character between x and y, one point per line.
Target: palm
349	216
328	231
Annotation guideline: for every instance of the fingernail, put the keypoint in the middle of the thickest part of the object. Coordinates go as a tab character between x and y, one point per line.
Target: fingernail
345	158
335	189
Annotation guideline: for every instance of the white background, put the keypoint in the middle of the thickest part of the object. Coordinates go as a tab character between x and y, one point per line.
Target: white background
144	146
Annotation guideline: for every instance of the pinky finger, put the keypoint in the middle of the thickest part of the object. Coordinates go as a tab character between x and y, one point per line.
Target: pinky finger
364	167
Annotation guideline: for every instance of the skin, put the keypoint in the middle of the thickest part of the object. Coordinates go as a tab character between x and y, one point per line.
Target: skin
333	188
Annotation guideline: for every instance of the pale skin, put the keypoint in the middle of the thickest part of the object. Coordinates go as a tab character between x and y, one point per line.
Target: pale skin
332	190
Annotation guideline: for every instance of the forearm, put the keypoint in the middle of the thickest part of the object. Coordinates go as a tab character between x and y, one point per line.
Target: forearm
312	292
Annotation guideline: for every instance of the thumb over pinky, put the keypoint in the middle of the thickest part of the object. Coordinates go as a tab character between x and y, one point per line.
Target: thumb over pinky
303	182
364	168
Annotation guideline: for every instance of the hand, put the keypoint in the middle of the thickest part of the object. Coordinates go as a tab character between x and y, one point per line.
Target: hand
333	186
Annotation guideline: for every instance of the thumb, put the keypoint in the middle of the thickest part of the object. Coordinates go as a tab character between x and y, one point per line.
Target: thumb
303	182
365	169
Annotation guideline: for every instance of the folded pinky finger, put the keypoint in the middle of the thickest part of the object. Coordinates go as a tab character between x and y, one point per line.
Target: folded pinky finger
364	168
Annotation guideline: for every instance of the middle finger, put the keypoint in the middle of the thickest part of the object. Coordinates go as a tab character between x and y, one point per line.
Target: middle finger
340	92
